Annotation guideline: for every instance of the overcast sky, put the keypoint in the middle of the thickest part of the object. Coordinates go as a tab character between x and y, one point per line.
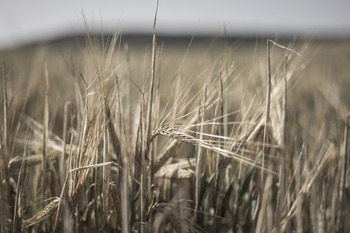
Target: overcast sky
26	21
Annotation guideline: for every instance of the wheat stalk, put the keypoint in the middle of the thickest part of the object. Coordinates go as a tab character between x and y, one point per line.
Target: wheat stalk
30	160
180	136
42	215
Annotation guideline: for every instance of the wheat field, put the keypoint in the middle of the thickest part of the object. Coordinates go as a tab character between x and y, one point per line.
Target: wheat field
110	134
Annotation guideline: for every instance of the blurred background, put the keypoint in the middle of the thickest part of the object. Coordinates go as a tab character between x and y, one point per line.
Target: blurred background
55	53
26	22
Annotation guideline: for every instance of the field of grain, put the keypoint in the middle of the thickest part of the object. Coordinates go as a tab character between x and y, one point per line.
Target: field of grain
110	134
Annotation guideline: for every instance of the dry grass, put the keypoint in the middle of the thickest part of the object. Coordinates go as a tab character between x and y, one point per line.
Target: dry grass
118	137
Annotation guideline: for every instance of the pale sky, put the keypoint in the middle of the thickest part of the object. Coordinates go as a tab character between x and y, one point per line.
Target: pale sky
38	20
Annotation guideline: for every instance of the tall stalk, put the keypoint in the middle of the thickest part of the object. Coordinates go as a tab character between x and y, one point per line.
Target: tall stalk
5	192
220	169
282	171
267	109
343	174
45	136
200	158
